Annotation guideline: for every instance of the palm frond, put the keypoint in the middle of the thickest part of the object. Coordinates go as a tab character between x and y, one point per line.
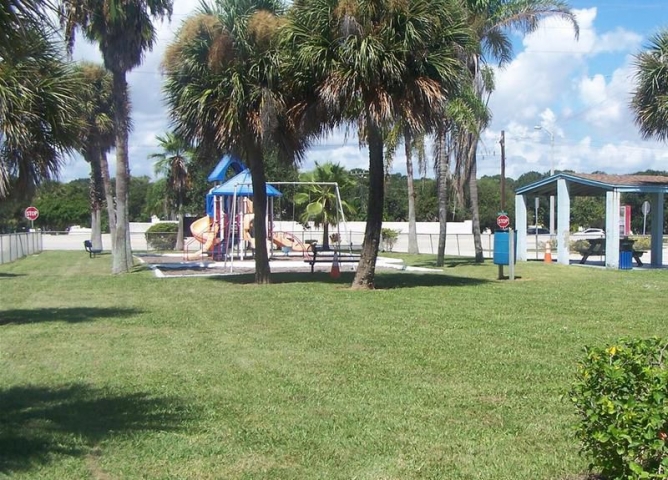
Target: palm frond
650	96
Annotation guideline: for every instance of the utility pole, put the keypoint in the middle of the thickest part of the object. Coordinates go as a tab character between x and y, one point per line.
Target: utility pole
502	142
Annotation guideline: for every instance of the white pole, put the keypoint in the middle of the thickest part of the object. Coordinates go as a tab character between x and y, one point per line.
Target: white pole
343	216
234	218
511	254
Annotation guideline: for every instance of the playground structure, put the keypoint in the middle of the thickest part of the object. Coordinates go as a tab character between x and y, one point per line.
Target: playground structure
227	230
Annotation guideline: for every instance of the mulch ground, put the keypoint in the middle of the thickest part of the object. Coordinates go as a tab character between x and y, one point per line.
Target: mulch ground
172	266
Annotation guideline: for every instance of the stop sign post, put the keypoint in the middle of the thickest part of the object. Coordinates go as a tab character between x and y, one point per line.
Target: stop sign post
31	214
646	208
503	221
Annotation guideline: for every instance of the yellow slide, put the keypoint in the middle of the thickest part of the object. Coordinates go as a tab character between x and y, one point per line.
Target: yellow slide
283	239
205	231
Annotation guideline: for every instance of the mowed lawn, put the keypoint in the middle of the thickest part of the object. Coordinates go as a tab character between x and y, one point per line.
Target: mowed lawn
451	375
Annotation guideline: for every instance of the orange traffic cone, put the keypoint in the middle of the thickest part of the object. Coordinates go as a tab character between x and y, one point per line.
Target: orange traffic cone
548	252
335	272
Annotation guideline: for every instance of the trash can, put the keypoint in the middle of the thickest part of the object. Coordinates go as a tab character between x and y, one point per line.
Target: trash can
625	255
502	247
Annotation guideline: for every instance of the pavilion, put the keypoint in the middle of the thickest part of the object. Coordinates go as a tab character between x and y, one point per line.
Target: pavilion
567	185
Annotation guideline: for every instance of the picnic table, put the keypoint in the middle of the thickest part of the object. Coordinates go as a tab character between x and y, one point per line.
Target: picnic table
597	248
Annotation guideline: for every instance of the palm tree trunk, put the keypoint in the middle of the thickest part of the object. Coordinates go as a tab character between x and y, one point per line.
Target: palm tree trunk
366	271
96	200
256	161
179	231
109	198
473	194
442	198
412	225
122	254
325	235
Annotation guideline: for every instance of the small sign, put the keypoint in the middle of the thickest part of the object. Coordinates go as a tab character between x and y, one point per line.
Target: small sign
646	207
503	221
31	213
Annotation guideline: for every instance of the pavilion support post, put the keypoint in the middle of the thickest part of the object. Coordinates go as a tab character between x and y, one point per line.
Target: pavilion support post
657	229
563	222
612	204
521	226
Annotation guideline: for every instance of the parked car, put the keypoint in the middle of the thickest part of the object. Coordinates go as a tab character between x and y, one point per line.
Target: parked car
592	232
537	230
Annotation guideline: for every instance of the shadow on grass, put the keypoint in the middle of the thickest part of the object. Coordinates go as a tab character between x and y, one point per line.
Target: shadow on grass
140	267
11	275
70	315
450	262
39	422
384	280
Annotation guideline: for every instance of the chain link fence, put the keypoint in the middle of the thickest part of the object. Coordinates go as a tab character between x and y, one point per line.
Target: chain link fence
18	245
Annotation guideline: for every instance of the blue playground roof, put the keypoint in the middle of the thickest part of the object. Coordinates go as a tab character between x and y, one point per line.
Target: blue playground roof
242	185
219	174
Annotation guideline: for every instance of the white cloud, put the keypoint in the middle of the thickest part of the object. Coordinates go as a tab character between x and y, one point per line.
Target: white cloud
565	86
557	81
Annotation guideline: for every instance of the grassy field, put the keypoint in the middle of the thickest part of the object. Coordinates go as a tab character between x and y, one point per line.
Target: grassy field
451	375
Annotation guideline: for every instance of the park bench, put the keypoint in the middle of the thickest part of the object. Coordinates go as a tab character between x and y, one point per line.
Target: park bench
345	254
88	246
597	248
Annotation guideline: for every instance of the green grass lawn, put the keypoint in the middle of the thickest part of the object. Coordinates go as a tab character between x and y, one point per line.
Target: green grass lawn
451	375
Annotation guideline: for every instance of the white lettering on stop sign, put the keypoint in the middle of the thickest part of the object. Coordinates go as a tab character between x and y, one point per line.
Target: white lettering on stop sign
32	213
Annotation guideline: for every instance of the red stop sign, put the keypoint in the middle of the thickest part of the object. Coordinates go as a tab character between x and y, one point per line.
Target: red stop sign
32	213
503	221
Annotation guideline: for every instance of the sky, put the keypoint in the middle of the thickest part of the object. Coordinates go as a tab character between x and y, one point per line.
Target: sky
577	90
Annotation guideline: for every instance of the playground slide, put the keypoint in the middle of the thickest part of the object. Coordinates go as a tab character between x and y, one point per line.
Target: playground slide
282	239
205	233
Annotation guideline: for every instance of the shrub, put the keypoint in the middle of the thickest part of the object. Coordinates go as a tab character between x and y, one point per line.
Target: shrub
162	236
389	238
579	246
642	243
621	397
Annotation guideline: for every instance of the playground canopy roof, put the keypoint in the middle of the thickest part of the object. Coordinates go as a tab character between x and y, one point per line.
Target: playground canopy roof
219	174
241	184
594	184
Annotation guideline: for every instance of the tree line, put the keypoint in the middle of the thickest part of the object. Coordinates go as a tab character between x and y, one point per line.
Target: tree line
62	205
263	80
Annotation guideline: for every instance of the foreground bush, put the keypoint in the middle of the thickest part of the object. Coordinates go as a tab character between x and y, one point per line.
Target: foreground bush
162	236
621	397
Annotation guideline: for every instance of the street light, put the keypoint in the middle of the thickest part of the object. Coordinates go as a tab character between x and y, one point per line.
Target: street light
538	127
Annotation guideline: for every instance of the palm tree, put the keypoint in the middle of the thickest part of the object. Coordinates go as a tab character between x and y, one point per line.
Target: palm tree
649	102
463	114
97	138
373	62
38	124
413	143
224	89
18	17
124	31
173	163
321	201
492	21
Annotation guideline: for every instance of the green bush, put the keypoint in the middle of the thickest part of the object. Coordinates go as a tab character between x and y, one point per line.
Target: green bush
579	246
162	236
389	238
642	243
621	397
